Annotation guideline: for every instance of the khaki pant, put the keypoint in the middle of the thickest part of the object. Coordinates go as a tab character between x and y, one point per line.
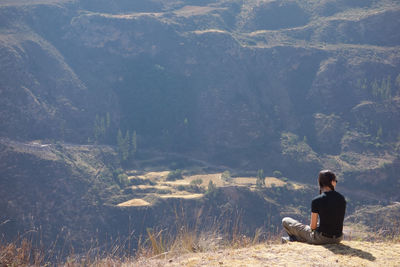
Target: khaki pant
303	233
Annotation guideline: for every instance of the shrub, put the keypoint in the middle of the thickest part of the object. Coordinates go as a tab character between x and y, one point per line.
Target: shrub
212	189
139	181
194	189
226	176
163	191
175	175
260	179
181	187
197	182
276	174
123	179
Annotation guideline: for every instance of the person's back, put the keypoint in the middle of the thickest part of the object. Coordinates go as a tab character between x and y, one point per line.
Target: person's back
331	207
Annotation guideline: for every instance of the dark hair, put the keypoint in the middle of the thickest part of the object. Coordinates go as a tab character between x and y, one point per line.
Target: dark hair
325	178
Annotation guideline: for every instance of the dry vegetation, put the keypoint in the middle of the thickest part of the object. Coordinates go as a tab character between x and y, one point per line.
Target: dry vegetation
188	11
191	248
136	202
349	253
186	196
155	184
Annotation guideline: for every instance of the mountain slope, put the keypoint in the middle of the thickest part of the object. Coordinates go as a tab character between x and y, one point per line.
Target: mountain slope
288	87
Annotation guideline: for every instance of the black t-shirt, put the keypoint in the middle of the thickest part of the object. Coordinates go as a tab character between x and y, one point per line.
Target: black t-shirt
330	207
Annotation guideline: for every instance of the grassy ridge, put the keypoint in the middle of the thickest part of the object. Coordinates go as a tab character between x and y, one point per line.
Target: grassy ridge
209	249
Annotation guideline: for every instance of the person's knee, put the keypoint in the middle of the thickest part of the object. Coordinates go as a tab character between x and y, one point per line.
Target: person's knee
285	221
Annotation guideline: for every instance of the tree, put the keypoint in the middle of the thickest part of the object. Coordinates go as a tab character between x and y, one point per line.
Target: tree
133	143
379	133
384	90
260	179
398	81
120	142
212	189
123	145
108	120
123	179
101	127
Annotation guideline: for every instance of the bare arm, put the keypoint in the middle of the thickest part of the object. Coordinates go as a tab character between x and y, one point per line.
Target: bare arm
314	220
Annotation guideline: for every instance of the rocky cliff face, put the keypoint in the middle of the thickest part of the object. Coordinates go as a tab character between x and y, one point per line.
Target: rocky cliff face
220	75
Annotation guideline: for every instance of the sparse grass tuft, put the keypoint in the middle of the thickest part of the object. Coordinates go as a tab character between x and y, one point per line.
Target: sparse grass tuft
20	253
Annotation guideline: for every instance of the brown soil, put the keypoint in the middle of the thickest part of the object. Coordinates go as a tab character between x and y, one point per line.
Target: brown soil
349	253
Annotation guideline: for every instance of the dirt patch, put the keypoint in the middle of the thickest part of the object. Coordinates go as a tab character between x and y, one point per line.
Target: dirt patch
144	187
190	196
251	181
206	178
298	186
245	180
151	175
188	11
136	202
209	31
272	181
132	15
177	182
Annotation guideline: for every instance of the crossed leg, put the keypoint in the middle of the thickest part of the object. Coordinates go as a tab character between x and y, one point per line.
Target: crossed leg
301	232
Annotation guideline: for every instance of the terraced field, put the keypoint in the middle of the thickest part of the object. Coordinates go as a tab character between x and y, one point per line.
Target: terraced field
155	185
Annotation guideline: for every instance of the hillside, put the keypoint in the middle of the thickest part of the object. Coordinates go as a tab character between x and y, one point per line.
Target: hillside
349	253
116	116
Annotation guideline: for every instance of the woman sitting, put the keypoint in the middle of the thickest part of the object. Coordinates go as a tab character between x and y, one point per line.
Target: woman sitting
329	206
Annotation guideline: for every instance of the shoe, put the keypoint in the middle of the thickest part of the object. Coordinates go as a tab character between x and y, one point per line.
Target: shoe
286	239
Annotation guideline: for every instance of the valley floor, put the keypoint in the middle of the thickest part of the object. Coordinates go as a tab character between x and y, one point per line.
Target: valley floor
349	253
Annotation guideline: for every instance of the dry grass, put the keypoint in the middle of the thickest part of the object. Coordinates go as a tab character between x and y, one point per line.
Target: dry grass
351	161
161	247
188	11
189	247
298	186
269	182
272	181
199	32
131	15
349	253
170	187
160	188
20	254
177	182
136	202
145	187
184	196
152	175
159	178
245	181
206	178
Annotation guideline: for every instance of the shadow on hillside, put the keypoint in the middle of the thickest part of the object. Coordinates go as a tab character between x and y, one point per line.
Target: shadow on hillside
346	250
